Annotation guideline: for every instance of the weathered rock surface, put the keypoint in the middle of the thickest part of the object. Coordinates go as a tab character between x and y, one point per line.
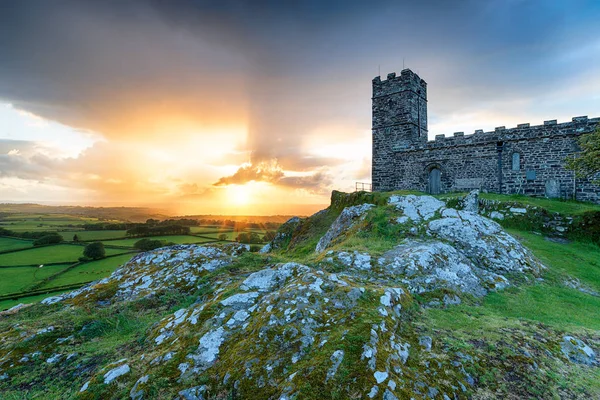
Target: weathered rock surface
283	235
471	202
344	222
578	351
342	321
149	272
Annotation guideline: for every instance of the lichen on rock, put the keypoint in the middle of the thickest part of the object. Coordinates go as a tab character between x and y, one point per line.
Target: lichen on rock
340	316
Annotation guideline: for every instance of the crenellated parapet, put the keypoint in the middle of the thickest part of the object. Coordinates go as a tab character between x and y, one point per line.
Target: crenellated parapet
549	129
406	81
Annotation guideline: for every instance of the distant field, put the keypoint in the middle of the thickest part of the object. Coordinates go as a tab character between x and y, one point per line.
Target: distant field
179	239
19	274
92	235
90	271
42	222
12	244
14	280
27	228
215	235
46	217
209	229
44	255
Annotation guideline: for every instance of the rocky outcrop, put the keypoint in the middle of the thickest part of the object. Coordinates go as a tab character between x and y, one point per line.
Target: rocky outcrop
151	272
470	202
342	224
277	328
577	351
283	235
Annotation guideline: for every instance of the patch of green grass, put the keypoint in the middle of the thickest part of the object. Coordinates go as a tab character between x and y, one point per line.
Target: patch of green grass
49	254
89	271
549	302
209	229
104	336
215	235
17	279
179	239
92	235
574	259
13	244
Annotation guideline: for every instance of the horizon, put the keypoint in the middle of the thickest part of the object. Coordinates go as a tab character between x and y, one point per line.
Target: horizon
247	109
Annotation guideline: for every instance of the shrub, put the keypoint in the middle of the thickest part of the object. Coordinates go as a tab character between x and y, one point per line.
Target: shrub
94	251
52	238
149	244
586	228
255	248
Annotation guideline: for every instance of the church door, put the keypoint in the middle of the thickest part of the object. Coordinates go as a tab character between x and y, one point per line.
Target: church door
434	181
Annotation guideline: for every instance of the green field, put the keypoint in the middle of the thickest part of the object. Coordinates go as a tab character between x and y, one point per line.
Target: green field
179	239
209	229
44	255
90	271
17	279
18	269
13	244
215	235
92	235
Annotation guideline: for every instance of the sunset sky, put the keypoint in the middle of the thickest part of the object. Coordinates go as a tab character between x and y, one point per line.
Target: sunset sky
262	107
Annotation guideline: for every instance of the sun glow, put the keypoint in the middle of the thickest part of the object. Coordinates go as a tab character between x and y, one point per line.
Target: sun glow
239	195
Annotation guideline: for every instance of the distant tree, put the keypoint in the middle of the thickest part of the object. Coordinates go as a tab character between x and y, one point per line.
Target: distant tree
587	163
222	236
52	238
148	244
75	238
94	251
248	237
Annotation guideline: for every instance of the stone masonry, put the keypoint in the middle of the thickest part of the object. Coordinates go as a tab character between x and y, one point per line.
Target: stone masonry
525	160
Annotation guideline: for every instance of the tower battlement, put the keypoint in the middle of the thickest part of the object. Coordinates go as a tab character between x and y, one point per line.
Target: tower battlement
399	120
407	80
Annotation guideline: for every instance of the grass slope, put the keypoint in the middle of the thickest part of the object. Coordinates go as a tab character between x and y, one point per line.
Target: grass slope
49	254
13	244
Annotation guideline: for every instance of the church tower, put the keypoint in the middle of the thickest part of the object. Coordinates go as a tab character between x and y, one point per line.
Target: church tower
399	122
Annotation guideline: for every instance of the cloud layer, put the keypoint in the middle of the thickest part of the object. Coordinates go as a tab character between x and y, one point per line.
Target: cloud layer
184	94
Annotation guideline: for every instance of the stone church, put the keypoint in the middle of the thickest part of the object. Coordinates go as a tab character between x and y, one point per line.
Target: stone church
525	160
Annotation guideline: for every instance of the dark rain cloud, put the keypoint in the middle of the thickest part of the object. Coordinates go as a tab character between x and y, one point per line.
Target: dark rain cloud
291	66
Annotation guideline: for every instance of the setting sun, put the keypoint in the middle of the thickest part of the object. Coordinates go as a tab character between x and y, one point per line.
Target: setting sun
239	195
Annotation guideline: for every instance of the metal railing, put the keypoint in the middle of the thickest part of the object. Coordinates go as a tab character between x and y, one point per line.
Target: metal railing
363	187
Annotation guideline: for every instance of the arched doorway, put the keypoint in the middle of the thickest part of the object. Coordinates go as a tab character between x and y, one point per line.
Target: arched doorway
435	181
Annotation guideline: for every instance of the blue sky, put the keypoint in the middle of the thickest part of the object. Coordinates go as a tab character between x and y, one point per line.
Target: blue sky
150	102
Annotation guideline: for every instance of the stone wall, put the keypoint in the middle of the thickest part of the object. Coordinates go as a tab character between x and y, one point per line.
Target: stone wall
404	159
485	161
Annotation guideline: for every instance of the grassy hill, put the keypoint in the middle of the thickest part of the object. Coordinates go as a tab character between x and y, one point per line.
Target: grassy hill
407	298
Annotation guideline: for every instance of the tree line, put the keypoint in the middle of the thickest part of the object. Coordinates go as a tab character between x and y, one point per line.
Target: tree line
160	230
185	222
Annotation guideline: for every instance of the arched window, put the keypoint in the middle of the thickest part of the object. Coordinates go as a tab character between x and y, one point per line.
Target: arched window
516	161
